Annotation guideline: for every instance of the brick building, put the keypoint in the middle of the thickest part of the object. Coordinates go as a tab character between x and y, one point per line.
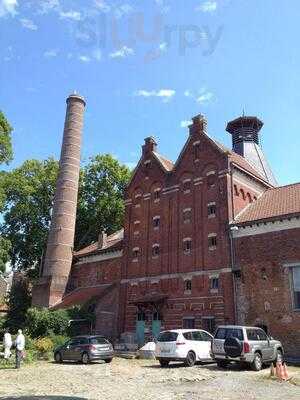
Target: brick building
200	237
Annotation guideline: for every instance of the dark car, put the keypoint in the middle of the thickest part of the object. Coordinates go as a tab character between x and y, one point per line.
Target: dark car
85	349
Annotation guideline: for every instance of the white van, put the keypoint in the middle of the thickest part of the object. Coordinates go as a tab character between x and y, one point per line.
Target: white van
187	345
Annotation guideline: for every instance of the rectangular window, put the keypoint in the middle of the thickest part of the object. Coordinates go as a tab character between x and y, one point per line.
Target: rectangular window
212	242
155	251
209	324
188	285
156	222
135	252
186	186
214	283
187	246
211	210
156	195
187	216
188	323
296	286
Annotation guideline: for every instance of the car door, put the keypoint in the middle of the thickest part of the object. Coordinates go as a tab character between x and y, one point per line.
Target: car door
67	350
74	350
265	344
207	339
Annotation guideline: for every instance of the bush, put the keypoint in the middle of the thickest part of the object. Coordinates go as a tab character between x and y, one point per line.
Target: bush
44	345
58	340
42	323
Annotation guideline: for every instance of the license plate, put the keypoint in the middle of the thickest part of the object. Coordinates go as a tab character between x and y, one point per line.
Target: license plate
165	350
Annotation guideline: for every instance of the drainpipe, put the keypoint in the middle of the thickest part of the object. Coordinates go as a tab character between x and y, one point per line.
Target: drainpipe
232	257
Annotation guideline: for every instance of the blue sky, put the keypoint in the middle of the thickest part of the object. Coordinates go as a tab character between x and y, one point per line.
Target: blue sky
215	57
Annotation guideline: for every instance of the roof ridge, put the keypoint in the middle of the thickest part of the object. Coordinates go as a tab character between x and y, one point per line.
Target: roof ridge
284	186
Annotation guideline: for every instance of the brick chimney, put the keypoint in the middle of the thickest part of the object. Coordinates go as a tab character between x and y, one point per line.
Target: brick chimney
58	260
199	125
149	146
102	240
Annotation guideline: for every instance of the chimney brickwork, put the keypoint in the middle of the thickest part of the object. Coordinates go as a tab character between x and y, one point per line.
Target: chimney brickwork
58	260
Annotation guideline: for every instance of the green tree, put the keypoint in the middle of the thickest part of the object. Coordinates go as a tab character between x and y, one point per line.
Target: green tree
28	199
29	192
6	151
18	303
101	198
5	247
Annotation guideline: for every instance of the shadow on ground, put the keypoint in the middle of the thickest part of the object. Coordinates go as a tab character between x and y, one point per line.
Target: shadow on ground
42	398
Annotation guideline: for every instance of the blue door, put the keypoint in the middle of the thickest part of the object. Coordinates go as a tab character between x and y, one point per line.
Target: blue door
140	332
156	325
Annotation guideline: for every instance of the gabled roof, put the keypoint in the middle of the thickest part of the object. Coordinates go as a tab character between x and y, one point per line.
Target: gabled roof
273	203
166	164
113	242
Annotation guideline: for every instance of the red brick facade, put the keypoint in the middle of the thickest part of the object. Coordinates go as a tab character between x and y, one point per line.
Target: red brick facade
173	265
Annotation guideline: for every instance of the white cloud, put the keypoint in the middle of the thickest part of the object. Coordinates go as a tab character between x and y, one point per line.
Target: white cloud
123	52
46	6
208	6
165	94
102	6
203	96
185	124
8	7
51	53
73	15
85	59
163	46
28	24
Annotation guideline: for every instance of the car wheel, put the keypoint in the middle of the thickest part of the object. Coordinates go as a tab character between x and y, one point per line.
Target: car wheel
164	363
58	357
222	364
190	359
256	364
108	360
85	359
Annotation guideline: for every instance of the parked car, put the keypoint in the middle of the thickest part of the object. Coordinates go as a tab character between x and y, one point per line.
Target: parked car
187	345
245	345
85	349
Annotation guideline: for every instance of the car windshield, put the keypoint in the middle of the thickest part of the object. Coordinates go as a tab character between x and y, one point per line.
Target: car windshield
224	333
98	340
167	337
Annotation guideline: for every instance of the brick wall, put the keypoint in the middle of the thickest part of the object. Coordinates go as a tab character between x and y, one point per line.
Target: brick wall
264	289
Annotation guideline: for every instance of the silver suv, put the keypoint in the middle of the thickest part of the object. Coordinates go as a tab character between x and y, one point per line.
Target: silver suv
245	345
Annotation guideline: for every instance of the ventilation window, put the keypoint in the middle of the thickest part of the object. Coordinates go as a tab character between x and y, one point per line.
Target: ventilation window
236	190
188	285
156	222
243	194
187	245
211	180
187	215
135	253
249	197
156	195
196	151
187	186
155	250
211	210
212	241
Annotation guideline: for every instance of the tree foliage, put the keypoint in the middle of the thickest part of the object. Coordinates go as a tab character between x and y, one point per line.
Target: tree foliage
5	247
6	151
41	323
18	303
28	200
29	192
100	200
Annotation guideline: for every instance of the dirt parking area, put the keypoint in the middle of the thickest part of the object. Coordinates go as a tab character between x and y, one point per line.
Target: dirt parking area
141	379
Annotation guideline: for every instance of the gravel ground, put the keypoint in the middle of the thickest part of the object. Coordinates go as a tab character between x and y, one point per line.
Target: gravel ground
141	380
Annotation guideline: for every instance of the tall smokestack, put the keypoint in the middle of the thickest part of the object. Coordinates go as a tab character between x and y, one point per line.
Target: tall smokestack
58	260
